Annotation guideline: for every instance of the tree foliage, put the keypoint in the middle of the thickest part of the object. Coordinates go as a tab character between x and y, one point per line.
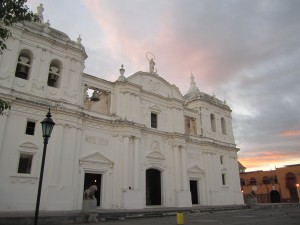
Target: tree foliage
11	12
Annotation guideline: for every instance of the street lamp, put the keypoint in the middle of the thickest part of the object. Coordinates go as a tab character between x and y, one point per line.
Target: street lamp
47	126
298	192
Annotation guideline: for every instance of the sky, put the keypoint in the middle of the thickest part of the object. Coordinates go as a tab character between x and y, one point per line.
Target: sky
244	51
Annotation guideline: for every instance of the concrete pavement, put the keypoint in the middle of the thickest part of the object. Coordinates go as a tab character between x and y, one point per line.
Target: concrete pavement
278	216
237	214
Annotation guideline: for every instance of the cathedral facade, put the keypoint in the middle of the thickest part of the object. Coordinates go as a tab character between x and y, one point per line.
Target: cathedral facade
138	139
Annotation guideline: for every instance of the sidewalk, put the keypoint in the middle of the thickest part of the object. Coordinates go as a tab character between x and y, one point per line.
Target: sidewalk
76	217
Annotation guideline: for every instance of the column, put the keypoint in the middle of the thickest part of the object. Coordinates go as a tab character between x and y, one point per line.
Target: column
123	105
176	168
135	106
54	154
217	172
117	104
128	106
67	80
138	111
76	168
136	167
183	169
125	162
35	65
3	122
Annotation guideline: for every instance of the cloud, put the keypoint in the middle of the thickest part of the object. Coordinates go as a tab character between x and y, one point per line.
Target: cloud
290	133
269	159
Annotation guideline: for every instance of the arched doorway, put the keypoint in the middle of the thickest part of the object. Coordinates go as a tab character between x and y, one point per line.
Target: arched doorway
153	187
275	196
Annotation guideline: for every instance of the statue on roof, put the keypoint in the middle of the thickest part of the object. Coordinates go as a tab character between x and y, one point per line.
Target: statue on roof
40	10
151	63
192	78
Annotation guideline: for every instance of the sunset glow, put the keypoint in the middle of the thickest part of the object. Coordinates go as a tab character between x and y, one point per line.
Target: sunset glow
290	133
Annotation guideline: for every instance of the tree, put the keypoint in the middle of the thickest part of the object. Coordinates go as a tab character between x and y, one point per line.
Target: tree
11	12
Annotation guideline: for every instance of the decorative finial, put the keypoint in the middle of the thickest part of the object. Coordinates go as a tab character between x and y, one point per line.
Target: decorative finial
122	71
46	27
79	39
40	10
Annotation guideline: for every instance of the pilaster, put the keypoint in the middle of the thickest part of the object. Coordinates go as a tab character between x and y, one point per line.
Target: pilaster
136	168
125	162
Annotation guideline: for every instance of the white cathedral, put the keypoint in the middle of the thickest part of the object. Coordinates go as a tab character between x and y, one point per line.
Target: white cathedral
138	139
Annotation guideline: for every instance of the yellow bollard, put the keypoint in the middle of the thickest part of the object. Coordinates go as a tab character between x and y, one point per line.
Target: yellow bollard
180	218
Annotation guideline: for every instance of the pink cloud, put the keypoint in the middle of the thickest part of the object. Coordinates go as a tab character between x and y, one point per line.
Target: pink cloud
268	159
171	52
290	133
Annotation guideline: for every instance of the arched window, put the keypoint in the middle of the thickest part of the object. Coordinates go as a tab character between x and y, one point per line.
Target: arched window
243	183
54	76
290	180
223	124
252	181
24	64
266	180
213	122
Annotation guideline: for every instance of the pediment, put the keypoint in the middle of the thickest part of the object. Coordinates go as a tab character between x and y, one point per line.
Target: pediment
156	155
96	158
155	84
155	108
196	169
28	145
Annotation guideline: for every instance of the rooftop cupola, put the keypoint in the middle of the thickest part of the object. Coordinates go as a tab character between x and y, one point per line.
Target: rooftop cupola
193	87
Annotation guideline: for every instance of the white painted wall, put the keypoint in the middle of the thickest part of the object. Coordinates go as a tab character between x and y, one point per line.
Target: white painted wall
120	145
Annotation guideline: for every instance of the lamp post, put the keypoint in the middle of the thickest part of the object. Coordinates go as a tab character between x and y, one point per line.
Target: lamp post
47	126
297	185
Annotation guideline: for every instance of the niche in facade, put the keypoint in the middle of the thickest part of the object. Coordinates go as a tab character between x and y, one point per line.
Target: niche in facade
97	100
213	122
23	65
190	125
54	74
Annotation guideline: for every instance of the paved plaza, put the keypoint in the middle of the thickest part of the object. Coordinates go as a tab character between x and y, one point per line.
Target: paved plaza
284	216
263	214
